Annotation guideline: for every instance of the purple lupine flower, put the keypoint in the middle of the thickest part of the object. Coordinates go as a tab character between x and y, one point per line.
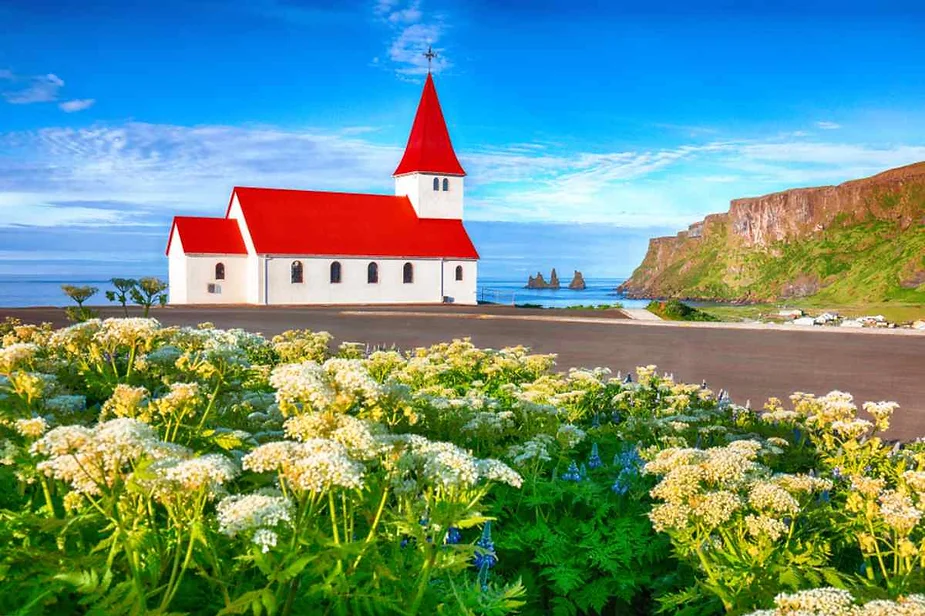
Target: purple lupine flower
572	474
485	556
622	485
596	421
628	460
595	460
453	536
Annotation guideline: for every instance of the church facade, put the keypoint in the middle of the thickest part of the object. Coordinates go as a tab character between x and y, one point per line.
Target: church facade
278	247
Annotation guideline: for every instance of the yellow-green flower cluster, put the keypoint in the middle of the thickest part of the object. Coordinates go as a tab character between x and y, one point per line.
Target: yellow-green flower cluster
703	489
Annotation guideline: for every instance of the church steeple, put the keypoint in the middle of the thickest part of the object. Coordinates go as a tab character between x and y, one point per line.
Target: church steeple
429	148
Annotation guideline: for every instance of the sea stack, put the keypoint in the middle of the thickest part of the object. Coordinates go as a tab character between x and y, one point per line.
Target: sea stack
538	282
578	282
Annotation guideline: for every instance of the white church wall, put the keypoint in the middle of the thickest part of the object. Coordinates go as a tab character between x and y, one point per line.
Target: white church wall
254	283
460	291
317	288
176	270
200	274
430	203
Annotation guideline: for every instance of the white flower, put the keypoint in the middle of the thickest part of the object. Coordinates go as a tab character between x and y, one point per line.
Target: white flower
354	434
536	449
321	471
240	513
16	355
351	376
313	465
265	539
570	435
302	385
33	427
91	459
128	332
208	471
494	470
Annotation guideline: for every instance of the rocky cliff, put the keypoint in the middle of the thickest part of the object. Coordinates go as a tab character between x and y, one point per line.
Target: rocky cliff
863	240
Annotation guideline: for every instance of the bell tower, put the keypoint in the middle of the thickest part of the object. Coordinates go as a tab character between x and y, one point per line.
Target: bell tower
429	173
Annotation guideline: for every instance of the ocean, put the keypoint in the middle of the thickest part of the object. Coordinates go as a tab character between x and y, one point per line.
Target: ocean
599	291
45	290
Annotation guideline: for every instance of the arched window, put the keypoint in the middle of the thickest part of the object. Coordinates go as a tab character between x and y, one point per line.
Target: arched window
372	273
446	184
335	272
295	272
408	273
219	271
459	272
436	183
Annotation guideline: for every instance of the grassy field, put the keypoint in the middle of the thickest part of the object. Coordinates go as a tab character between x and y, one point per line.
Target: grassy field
896	312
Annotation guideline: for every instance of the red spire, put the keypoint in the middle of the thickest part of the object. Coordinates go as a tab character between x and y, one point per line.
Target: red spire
429	149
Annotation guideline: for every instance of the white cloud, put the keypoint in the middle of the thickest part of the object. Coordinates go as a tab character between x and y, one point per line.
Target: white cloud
410	35
24	90
77	105
139	173
828	125
37	89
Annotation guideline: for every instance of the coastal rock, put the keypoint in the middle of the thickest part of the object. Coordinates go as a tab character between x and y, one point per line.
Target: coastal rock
578	282
822	242
538	282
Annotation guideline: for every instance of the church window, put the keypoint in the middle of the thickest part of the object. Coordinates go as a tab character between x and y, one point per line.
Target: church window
436	183
372	273
408	273
446	184
459	272
335	272
219	271
295	272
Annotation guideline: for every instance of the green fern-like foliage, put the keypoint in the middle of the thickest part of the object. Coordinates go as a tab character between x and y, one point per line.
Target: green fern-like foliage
581	548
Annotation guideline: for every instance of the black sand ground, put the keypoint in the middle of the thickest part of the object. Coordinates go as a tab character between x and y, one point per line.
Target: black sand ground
752	364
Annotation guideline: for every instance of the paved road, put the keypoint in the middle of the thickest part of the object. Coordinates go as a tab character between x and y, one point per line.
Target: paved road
751	363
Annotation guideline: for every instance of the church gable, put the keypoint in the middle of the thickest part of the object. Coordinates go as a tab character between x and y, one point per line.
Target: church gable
203	235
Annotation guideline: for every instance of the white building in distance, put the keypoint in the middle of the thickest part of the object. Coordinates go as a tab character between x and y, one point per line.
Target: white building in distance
277	246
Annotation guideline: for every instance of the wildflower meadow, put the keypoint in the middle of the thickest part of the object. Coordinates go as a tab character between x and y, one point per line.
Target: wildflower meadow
164	470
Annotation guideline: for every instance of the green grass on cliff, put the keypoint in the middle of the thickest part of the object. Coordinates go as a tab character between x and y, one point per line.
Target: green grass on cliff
849	263
673	310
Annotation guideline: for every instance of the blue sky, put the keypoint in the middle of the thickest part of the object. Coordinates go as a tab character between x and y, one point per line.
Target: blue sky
630	118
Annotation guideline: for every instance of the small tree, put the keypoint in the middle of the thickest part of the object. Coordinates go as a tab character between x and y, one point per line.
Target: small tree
80	295
123	291
149	291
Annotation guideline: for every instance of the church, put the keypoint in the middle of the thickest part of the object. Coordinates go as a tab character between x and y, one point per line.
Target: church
279	247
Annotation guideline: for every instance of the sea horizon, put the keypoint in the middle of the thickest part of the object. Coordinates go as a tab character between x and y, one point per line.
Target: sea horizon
44	290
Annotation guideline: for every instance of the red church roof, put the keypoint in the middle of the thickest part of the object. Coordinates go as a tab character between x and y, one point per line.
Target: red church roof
200	235
429	149
302	222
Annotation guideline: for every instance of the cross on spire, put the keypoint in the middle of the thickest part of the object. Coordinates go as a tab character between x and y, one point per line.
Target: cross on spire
430	54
